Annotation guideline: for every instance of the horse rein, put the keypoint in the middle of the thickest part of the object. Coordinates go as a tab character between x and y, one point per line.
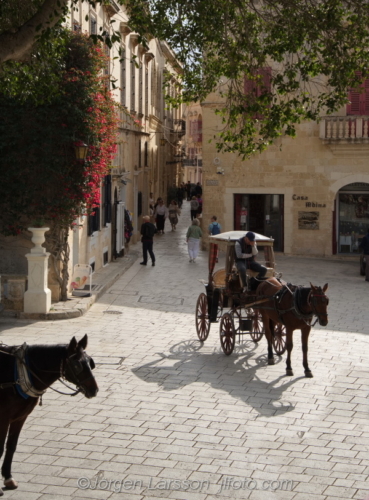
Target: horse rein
313	304
20	360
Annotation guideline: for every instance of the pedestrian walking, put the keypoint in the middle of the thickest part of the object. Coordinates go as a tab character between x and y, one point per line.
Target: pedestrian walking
147	238
174	212
364	246
193	236
180	195
194	205
199	210
160	214
198	189
188	190
214	226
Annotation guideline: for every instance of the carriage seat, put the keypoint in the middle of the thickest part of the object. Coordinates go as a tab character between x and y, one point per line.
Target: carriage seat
219	278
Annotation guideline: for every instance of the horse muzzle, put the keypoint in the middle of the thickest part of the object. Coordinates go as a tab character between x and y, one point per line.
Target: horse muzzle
89	389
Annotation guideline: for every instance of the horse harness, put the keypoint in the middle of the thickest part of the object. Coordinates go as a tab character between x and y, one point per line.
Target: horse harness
298	294
23	383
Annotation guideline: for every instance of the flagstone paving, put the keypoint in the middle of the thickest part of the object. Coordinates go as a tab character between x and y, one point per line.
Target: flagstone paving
178	419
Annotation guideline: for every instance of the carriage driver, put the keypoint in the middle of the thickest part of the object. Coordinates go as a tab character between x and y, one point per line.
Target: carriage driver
246	249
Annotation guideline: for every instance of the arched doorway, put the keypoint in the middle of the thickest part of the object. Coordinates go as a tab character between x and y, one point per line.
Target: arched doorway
351	217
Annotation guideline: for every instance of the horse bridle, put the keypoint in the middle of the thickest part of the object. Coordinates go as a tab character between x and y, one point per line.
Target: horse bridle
314	302
74	366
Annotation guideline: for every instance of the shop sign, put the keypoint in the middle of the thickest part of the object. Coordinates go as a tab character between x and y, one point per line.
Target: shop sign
308	220
308	204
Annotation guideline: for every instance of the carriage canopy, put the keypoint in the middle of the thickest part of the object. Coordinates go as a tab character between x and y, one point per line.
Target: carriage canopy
231	237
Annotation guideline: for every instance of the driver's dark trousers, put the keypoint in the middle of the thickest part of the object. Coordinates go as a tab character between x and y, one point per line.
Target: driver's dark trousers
242	265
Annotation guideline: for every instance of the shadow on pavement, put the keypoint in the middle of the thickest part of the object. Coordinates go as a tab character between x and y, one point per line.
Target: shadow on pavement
236	375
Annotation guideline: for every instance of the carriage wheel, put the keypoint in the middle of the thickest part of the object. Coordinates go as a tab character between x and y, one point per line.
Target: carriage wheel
237	318
227	334
257	324
202	317
279	339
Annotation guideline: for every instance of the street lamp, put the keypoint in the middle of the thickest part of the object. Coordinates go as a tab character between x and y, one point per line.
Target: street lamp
81	150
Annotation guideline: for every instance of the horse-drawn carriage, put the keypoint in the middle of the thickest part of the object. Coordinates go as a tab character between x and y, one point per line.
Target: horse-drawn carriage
271	307
225	302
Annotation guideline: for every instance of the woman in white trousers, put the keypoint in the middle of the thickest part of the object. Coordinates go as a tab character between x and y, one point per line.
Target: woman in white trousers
193	236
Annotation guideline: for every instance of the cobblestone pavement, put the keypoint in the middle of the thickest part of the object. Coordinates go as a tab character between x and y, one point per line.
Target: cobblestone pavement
178	419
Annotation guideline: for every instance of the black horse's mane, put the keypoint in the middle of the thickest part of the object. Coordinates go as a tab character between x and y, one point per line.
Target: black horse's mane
46	355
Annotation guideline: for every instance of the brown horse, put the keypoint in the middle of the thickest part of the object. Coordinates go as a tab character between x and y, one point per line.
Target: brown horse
293	306
25	374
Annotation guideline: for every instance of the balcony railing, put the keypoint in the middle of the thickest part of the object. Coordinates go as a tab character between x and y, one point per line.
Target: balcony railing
344	128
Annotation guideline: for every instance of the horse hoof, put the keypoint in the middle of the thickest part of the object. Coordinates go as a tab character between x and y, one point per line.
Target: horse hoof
289	373
270	361
10	484
308	374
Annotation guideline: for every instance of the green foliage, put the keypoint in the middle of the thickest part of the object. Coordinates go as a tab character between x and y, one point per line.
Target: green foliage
41	178
38	78
315	50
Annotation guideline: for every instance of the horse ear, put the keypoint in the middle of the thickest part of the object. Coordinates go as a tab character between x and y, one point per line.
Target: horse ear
325	287
312	286
83	342
72	346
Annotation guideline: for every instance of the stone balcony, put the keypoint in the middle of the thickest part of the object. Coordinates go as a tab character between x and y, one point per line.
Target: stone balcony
345	135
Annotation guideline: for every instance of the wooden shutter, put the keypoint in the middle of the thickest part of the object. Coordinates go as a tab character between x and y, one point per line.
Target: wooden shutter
249	86
359	99
265	83
365	103
258	87
123	97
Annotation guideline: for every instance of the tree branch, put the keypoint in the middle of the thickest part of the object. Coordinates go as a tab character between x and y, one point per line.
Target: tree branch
15	46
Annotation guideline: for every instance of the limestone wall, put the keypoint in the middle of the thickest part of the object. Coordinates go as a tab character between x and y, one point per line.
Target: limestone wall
306	170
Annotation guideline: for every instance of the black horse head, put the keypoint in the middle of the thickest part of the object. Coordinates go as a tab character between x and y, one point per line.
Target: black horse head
78	367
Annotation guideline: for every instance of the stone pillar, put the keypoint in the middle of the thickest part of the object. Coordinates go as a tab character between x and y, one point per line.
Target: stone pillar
37	299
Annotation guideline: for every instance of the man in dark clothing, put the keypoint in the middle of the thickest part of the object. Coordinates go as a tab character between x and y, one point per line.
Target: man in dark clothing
147	238
246	249
198	189
188	190
180	195
364	245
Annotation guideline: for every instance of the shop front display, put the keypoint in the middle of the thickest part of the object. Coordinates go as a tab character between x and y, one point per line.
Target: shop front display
352	206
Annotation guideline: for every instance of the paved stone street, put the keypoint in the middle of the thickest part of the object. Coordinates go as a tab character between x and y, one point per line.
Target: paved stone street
180	420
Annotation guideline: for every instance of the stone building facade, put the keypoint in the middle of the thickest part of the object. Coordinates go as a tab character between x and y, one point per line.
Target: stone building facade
147	157
310	193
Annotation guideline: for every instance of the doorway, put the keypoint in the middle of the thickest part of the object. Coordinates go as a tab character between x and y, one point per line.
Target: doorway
261	213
